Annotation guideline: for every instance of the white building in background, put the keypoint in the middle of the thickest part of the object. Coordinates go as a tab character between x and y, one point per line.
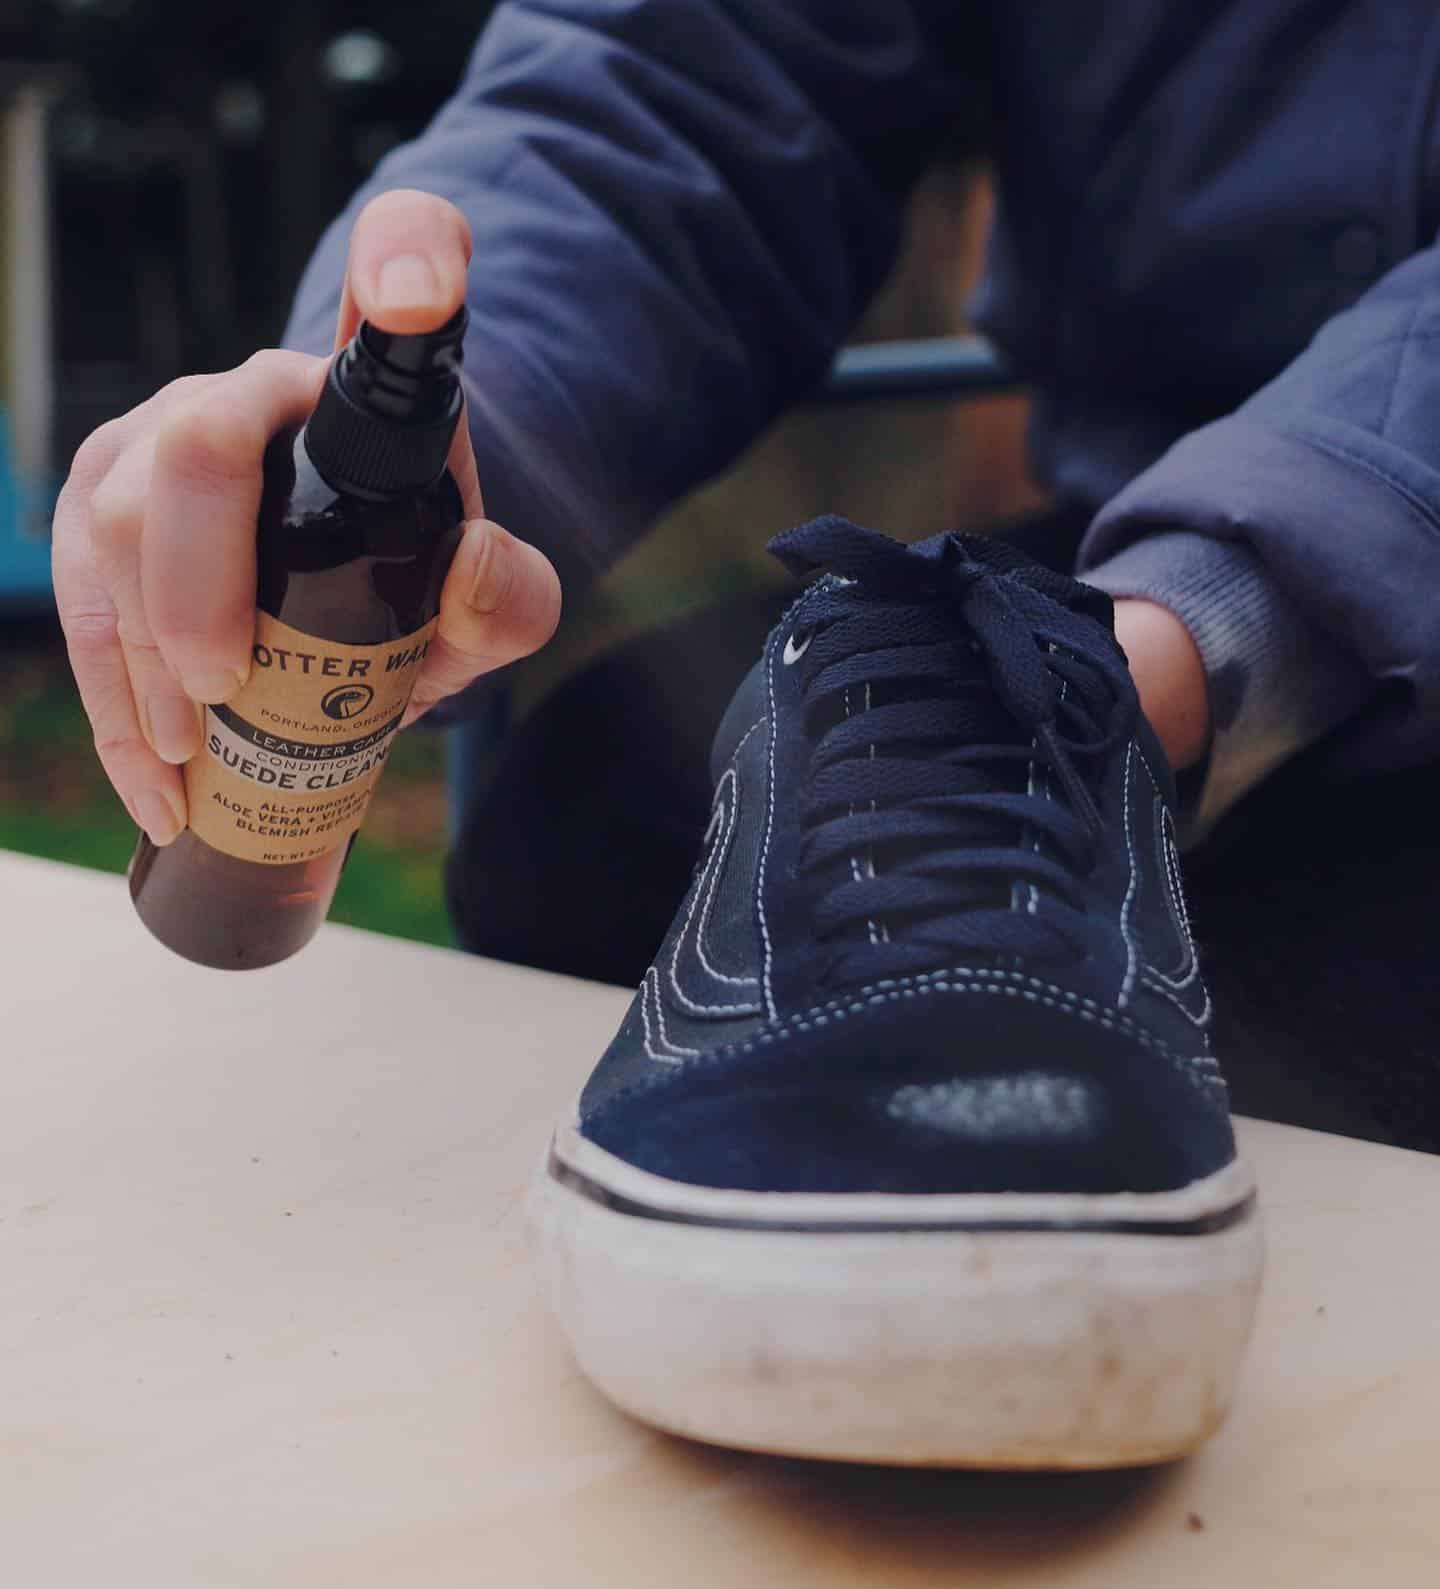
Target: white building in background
27	340
28	346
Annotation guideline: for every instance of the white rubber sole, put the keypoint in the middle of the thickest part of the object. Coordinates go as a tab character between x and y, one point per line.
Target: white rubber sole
1010	1331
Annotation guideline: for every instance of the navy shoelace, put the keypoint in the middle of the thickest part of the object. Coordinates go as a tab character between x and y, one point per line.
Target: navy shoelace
961	702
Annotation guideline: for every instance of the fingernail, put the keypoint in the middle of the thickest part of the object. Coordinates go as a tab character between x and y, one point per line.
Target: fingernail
159	819
490	583
407	282
172	727
212	684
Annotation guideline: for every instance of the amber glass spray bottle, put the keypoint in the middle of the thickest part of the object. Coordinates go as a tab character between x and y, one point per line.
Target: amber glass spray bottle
359	520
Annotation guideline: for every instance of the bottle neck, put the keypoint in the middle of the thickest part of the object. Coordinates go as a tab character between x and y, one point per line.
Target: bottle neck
387	414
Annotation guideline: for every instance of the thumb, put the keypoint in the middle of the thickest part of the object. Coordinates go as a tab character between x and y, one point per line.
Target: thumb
409	254
501	602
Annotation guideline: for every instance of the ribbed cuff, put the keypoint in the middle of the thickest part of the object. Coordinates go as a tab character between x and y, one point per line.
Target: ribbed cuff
1276	683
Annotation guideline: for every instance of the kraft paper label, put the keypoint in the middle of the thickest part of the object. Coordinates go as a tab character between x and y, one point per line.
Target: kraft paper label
288	765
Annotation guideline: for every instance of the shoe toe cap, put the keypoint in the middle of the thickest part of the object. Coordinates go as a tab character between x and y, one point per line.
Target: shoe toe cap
937	1106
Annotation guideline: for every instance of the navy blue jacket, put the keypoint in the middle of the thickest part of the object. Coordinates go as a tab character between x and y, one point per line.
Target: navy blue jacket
1215	258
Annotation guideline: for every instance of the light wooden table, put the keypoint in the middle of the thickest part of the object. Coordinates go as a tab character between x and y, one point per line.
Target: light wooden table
267	1319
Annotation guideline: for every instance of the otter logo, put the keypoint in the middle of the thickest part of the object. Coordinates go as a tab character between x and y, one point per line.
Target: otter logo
347	701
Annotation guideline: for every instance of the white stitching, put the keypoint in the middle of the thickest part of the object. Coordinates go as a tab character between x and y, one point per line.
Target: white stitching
651	987
1178	984
1048	793
887	987
855	873
714	865
1201	1068
870	852
722	976
733	770
1132	958
1168	987
1174	894
1202	1020
769	952
768	955
1176	897
743	741
1016	889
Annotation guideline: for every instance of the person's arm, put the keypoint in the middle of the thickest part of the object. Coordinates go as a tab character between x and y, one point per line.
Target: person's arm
679	209
1299	541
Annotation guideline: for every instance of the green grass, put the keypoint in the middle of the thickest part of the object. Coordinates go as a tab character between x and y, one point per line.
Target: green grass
389	891
95	836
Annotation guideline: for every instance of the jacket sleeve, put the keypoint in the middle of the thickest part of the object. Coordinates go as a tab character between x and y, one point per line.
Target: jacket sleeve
679	208
1299	538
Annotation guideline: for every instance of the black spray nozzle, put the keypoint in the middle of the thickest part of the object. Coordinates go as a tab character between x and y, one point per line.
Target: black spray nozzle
388	410
425	353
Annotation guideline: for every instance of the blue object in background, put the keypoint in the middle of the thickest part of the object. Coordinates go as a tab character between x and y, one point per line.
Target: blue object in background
24	552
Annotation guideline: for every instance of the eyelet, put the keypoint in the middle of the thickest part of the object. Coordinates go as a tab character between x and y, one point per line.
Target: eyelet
796	647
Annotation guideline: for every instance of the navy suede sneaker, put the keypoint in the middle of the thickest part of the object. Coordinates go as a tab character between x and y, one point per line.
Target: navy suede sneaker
911	1147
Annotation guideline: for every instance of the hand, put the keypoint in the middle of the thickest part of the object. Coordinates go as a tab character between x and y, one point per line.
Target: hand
154	539
1169	678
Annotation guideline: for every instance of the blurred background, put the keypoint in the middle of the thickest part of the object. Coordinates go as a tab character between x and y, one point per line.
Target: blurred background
165	169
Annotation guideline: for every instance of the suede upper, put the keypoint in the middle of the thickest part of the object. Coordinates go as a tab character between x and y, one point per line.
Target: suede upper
759	1054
